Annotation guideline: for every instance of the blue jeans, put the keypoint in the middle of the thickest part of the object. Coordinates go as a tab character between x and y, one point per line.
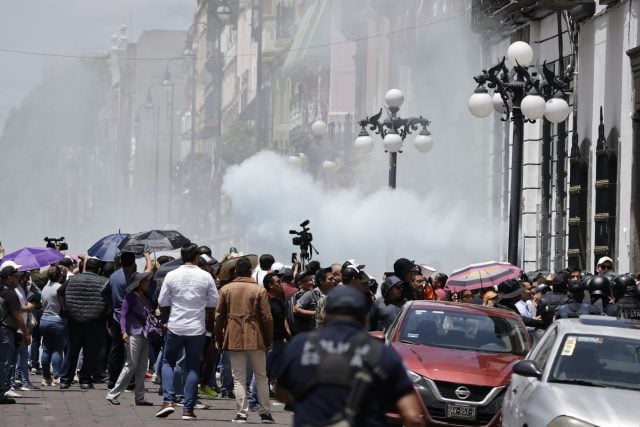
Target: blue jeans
22	365
226	378
53	343
192	346
7	350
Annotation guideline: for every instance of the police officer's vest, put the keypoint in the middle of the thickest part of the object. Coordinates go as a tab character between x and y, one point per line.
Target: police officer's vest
629	307
574	309
548	304
335	368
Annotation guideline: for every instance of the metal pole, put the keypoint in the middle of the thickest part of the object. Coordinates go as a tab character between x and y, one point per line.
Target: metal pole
171	141
193	102
516	181
258	101
155	198
393	159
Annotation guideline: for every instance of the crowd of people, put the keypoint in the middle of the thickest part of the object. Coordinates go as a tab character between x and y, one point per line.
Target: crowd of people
250	328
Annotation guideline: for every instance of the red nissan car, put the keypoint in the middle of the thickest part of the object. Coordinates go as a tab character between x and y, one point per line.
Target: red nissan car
459	357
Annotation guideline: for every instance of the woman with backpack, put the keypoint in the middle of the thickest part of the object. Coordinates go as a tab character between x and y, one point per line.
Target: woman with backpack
135	310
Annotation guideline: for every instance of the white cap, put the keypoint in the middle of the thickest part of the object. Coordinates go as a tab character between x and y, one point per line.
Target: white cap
605	259
9	263
277	266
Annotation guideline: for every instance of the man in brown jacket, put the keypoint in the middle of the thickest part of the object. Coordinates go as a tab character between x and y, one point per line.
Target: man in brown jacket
244	328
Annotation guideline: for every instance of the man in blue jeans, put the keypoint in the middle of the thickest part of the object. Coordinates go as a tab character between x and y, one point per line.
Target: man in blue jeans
187	291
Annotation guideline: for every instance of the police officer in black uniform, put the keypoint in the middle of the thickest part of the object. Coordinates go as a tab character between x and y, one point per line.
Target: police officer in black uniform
339	374
626	296
600	292
576	304
554	299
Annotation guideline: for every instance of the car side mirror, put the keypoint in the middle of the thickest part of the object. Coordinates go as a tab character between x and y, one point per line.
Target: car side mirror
527	368
379	335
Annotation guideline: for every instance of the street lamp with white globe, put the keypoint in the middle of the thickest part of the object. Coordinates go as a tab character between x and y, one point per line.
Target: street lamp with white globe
393	130
521	95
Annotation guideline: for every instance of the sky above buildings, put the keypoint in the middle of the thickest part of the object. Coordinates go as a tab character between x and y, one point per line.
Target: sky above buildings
73	27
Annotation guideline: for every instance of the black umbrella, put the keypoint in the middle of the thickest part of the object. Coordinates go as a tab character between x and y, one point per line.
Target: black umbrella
153	241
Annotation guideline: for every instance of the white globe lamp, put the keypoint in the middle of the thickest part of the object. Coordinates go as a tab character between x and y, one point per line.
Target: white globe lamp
392	142
532	107
394	98
330	166
498	103
480	103
556	110
424	141
364	143
319	128
520	53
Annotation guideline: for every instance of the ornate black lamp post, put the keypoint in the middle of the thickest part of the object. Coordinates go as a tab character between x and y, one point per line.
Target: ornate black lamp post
393	130
519	95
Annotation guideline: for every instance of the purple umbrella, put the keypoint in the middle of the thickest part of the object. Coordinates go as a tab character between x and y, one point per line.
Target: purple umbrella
34	258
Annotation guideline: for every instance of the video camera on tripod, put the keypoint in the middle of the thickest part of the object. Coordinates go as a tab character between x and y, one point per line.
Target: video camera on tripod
303	240
56	243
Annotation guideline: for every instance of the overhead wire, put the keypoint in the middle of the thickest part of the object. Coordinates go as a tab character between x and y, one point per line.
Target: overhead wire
106	56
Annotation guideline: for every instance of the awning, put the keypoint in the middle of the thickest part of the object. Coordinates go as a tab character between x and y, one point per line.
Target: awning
310	47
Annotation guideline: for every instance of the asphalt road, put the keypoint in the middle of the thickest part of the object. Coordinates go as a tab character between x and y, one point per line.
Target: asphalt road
75	407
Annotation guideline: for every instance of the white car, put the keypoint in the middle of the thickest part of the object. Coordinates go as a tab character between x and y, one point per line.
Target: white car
584	372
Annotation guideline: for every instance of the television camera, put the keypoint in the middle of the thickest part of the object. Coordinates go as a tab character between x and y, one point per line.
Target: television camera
56	243
303	240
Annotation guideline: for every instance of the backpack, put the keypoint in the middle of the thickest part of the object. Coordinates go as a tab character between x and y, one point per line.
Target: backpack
290	316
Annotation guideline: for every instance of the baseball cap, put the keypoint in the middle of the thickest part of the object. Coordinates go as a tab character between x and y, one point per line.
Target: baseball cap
402	266
604	259
277	268
346	300
10	263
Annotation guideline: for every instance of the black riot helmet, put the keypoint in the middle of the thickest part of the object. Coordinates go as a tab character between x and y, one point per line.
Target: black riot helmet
586	279
600	285
577	291
624	285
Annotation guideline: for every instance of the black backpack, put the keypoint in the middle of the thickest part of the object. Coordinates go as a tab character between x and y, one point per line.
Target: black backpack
292	318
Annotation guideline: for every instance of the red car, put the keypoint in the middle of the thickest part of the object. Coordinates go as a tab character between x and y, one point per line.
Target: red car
459	357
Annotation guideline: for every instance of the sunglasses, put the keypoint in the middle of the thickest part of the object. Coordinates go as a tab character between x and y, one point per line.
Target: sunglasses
606	266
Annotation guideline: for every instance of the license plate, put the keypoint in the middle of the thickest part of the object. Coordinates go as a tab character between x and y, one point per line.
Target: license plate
461	411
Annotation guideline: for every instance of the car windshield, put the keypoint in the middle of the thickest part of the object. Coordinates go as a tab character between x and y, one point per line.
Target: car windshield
598	360
475	331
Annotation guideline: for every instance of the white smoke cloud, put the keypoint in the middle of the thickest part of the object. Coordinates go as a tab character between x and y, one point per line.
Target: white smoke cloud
270	196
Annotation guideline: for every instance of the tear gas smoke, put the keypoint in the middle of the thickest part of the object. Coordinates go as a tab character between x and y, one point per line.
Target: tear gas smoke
269	197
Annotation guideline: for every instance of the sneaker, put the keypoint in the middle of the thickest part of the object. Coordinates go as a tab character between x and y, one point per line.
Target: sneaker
55	382
267	419
239	419
156	379
253	408
86	386
188	415
12	393
199	405
63	386
206	390
166	410
7	401
29	387
47	382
